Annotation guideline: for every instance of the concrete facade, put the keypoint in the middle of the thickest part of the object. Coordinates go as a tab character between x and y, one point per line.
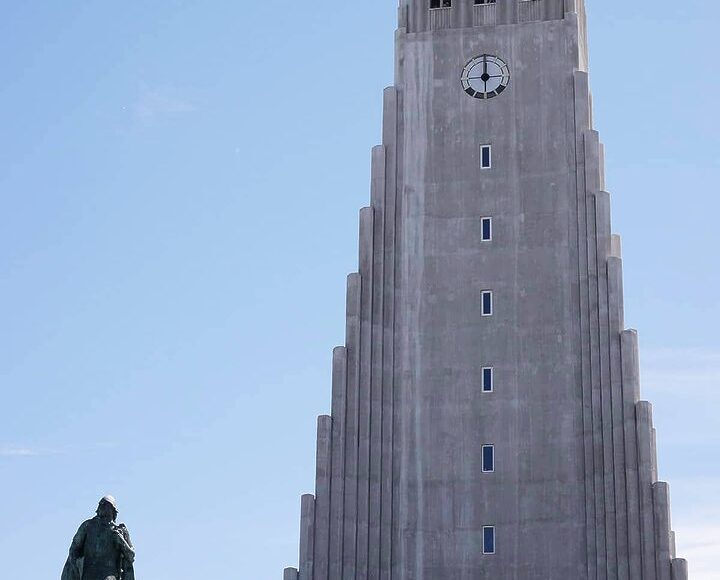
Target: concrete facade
401	490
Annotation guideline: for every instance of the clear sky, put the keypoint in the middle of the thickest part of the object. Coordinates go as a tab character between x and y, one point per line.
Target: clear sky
179	188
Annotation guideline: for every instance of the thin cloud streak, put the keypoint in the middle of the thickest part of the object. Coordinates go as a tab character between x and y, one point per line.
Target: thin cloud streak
156	103
11	450
16	451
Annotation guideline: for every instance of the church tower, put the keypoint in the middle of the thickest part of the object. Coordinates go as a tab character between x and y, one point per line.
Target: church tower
486	415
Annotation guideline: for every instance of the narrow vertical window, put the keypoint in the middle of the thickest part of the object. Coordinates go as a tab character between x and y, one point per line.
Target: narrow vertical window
440	4
488	458
487	303
488	380
485	156
489	540
486	226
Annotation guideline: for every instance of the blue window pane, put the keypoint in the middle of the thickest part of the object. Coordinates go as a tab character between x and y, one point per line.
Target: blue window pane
487	303
487	381
488	458
489	540
486	229
485	157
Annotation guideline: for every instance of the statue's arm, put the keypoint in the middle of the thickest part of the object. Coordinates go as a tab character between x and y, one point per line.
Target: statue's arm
126	544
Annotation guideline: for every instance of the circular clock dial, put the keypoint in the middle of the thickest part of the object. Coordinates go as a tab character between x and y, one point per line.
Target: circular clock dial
485	77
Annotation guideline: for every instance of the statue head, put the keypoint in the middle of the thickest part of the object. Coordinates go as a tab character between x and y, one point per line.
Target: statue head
107	508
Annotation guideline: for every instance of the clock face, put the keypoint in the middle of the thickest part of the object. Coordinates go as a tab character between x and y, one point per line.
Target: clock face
485	77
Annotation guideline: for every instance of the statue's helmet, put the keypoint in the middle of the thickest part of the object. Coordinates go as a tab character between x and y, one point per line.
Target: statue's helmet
109	500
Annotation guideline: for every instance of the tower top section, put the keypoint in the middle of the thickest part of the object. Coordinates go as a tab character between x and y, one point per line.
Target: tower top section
430	15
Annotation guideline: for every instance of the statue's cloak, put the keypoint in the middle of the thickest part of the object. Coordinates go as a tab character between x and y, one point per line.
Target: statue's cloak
73	569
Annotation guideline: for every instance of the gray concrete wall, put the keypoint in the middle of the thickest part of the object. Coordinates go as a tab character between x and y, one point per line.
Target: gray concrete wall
536	498
400	490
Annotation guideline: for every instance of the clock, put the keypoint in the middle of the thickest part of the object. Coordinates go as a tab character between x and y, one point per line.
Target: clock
485	77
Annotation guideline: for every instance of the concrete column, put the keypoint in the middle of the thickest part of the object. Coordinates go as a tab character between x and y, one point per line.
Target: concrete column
367	276
647	522
307	537
576	19
418	16
290	574
390	132
617	569
379	182
602	449
377	178
673	546
554	10
614	276
631	390
654	455
679	569
661	508
582	103
402	16
570	7
507	11
463	17
351	428
337	484
323	475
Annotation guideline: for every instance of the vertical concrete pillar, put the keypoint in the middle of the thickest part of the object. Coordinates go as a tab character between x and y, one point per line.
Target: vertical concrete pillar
631	394
661	510
418	16
323	475
555	10
367	276
507	11
645	462
463	14
402	16
307	537
654	455
617	569
673	546
290	574
351	427
679	569
337	483
602	448
582	104
614	275
577	21
390	142
378	195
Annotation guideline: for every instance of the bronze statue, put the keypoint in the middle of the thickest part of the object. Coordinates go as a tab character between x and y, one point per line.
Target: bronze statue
101	549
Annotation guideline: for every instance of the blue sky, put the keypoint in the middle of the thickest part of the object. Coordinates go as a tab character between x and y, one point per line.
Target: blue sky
179	188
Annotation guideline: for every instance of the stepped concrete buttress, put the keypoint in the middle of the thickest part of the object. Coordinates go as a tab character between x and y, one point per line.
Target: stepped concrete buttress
402	489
